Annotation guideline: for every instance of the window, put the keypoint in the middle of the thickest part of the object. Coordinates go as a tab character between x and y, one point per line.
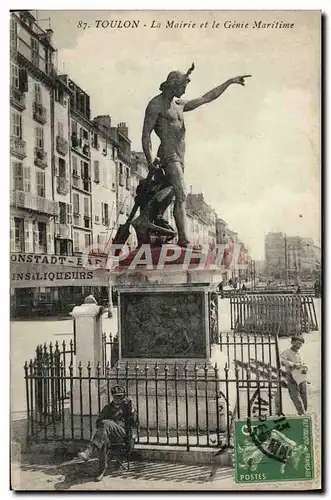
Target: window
27	179
15	79
19	234
87	240
42	238
59	96
106	214
75	199
18	176
37	93
121	168
74	165
84	133
60	132
95	143
74	127
13	33
16	123
35	51
86	207
41	184
127	173
76	241
39	137
63	213
96	171
62	168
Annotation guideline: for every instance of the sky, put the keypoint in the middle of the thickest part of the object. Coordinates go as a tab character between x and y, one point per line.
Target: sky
255	151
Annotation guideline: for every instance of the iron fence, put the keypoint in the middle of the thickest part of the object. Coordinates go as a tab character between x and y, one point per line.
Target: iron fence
263	314
190	405
110	350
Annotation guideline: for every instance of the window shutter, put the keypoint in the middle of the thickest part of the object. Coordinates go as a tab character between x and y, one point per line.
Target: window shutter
86	207
35	235
12	234
28	235
82	169
102	213
76	203
23	80
96	171
69	213
27	179
50	239
57	166
74	164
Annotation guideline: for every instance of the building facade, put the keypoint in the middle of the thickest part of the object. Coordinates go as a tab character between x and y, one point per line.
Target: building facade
303	257
275	250
73	181
104	154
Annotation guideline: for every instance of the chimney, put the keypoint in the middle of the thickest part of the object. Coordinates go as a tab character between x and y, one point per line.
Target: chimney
49	35
104	121
122	127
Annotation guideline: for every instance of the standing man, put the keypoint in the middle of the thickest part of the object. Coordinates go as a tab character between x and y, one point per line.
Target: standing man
296	374
164	115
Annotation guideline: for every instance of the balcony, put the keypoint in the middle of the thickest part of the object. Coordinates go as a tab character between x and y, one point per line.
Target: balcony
62	185
81	184
34	203
80	145
17	98
17	147
40	158
125	158
128	183
39	113
62	231
62	145
121	179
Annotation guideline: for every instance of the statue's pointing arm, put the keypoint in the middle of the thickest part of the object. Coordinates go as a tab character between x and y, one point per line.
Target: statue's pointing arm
214	93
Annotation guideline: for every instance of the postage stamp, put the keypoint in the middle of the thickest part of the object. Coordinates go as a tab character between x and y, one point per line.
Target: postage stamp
274	449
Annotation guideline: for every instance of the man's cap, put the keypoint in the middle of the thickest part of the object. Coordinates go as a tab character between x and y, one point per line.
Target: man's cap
177	77
118	390
297	338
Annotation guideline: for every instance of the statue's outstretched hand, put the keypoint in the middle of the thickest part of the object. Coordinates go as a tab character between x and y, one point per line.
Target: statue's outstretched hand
240	79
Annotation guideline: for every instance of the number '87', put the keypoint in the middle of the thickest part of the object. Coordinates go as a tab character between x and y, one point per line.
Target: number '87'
82	25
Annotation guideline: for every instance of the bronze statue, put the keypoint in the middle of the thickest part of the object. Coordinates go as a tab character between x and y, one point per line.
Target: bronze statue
165	115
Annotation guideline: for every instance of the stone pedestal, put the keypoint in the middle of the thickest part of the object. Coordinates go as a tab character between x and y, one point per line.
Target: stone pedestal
165	327
88	353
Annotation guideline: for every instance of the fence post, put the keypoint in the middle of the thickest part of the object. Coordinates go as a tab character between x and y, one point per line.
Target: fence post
88	321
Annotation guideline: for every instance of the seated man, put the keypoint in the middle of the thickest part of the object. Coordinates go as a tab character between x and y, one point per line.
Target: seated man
113	426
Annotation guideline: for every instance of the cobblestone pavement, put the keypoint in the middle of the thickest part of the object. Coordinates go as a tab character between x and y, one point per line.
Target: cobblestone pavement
25	335
142	476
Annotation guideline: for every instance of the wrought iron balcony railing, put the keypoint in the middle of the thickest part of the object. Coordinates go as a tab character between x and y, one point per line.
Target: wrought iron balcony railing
62	145
40	157
17	98
62	185
62	231
39	113
17	147
34	203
